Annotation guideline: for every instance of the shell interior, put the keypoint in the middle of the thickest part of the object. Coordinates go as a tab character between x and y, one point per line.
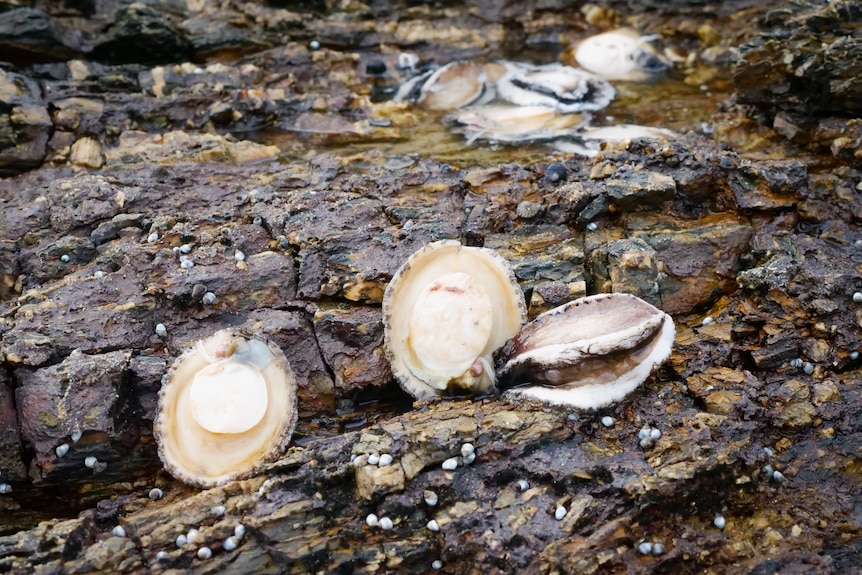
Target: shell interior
505	123
587	353
226	406
411	90
445	312
455	85
449	328
228	397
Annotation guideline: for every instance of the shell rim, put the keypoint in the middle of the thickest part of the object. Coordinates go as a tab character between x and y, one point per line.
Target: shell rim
279	444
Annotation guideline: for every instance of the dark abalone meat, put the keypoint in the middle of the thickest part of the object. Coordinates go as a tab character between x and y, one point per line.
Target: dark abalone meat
587	353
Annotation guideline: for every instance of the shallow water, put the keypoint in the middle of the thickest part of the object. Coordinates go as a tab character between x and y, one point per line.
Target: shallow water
398	134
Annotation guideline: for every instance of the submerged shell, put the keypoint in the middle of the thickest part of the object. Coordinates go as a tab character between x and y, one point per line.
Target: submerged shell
566	89
445	312
504	123
587	353
620	55
455	85
588	142
226	406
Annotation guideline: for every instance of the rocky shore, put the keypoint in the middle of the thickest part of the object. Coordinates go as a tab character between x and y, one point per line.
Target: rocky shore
156	152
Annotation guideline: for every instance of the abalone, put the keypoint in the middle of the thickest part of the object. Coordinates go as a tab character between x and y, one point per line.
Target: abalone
455	85
621	54
445	312
507	123
226	406
564	88
587	353
588	141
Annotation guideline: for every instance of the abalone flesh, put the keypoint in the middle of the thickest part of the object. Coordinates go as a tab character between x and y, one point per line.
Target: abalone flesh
587	353
226	406
445	312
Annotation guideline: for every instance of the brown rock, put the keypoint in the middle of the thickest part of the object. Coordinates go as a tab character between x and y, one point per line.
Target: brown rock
84	393
626	266
351	341
11	458
548	262
87	152
641	190
9	269
792	407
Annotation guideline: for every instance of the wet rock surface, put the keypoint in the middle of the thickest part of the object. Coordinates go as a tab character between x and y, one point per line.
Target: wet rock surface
206	166
803	73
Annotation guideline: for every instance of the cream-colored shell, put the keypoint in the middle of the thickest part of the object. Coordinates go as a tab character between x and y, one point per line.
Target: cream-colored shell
455	85
563	88
480	275
202	458
621	54
587	353
508	123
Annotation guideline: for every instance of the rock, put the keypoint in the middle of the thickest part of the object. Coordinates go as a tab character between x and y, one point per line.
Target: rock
179	146
88	325
9	269
548	263
769	186
55	259
640	190
146	378
264	128
217	269
87	152
803	74
91	198
509	445
11	459
806	63
721	389
793	408
351	341
104	232
698	260
373	481
28	36
53	402
141	34
25	125
627	266
78	114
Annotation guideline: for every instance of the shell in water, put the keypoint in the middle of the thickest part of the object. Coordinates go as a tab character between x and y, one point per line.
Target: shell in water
588	141
566	89
587	353
445	312
455	85
620	55
226	406
505	123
